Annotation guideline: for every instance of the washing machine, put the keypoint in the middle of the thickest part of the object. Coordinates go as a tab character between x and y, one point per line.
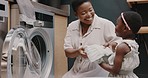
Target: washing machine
42	38
3	29
30	50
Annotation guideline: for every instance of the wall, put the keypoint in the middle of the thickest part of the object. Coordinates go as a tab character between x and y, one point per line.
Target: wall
60	61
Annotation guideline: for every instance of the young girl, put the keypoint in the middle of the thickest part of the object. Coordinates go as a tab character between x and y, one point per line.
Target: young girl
125	59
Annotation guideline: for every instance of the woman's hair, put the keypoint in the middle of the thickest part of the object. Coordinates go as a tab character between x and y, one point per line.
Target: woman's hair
77	3
133	20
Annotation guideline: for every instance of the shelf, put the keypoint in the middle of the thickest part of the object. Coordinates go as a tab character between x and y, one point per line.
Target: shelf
130	2
137	0
64	9
143	30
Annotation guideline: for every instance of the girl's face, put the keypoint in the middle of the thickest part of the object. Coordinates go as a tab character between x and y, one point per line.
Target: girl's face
85	13
120	28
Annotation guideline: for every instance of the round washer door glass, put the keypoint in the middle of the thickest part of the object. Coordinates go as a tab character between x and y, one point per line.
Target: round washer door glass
23	59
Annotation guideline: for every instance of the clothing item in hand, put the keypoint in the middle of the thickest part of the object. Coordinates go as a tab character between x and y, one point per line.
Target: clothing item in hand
95	52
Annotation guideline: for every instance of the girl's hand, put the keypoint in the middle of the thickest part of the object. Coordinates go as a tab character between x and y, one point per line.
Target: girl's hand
111	45
106	45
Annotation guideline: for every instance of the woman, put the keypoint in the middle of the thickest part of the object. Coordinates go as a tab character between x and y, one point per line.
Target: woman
87	30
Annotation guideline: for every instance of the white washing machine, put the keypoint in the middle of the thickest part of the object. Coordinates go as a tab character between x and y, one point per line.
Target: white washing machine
43	40
30	52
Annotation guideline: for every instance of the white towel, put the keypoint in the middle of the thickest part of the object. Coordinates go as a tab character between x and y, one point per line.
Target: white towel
95	52
27	11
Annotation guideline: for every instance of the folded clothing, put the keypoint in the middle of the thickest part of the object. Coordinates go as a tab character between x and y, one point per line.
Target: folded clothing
96	52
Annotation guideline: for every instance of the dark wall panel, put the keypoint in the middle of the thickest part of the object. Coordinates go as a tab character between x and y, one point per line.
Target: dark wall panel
110	9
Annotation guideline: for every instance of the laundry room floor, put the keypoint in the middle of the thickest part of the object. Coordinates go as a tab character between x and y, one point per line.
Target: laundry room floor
3	69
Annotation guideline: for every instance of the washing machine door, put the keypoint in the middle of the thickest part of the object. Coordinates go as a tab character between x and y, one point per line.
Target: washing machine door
42	39
29	54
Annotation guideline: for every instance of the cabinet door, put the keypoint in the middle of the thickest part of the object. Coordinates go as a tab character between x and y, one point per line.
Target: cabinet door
142	70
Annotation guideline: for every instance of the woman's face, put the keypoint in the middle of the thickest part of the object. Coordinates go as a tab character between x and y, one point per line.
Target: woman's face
120	28
85	13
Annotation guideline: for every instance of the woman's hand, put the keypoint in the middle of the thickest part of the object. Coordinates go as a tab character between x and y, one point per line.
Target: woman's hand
82	53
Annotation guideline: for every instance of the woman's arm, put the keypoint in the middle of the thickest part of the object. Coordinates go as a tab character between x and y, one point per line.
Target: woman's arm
72	53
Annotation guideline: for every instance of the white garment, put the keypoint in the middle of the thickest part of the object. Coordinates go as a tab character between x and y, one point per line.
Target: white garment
130	62
30	74
96	52
100	32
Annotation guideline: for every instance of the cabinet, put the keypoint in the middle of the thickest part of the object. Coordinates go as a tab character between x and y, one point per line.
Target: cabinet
131	3
141	6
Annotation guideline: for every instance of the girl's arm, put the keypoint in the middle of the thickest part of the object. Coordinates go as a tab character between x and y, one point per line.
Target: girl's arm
121	50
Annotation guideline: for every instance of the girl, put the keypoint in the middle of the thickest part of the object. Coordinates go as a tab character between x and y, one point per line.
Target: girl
125	58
